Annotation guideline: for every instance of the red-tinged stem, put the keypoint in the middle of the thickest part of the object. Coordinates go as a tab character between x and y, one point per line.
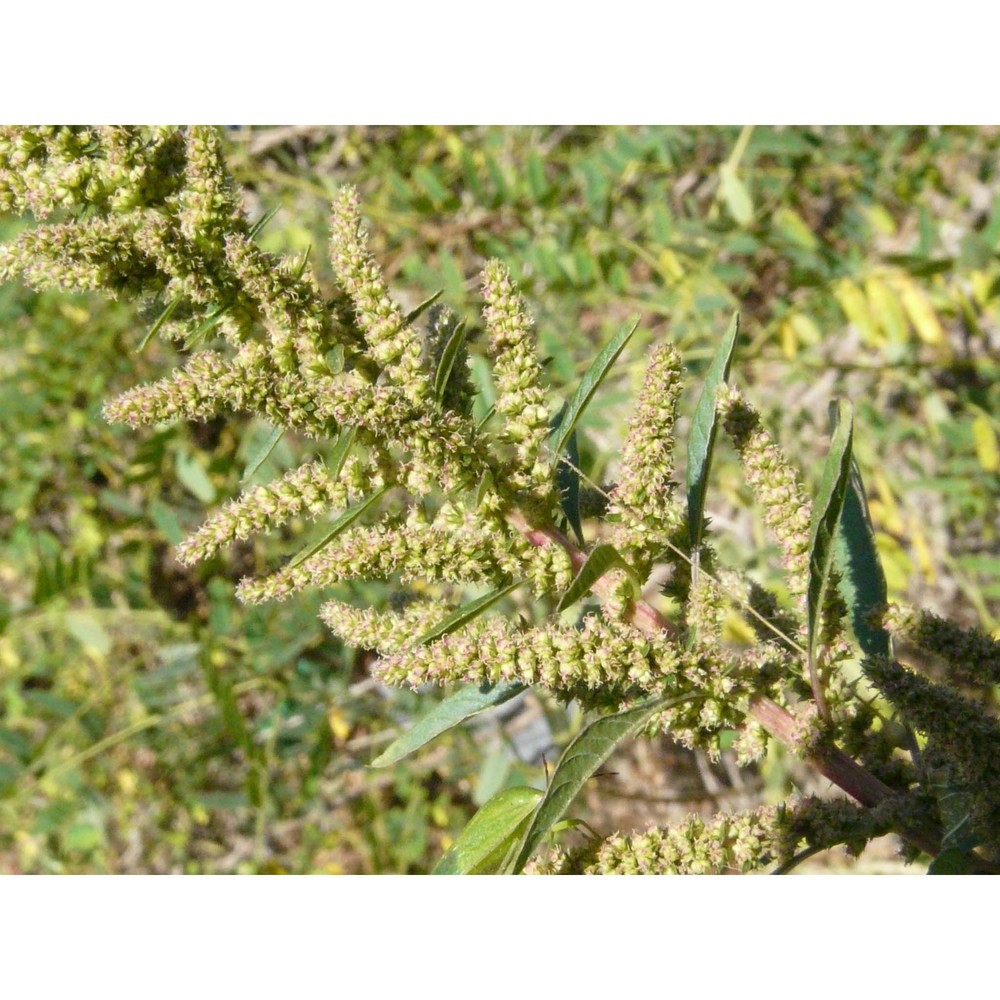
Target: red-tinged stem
835	765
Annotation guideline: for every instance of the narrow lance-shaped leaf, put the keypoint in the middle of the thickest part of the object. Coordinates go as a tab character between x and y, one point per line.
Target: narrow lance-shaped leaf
862	580
825	519
344	521
590	383
341	450
263	221
483	845
210	323
568	479
466	613
259	456
603	559
582	758
157	326
568	483
447	363
415	313
701	439
449	713
463	704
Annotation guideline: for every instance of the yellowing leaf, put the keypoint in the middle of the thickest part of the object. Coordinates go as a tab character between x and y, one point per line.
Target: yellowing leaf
855	306
922	550
897	564
736	195
918	307
983	286
340	725
793	227
670	264
887	310
805	328
987	448
890	518
789	340
881	220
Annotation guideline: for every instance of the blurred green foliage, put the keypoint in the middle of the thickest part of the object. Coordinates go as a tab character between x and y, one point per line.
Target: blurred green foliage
148	722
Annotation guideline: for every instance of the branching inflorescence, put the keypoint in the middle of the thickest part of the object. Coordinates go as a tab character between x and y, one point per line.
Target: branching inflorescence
420	494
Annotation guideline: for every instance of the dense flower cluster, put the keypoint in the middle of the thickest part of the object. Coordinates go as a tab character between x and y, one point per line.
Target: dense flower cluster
421	494
729	843
520	397
642	502
963	742
774	482
971	654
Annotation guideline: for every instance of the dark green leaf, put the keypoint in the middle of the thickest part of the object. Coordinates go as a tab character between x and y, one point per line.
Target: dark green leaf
155	328
952	861
345	520
568	482
604	558
701	439
582	758
210	323
448	356
483	845
862	581
467	613
826	517
263	221
590	383
451	712
261	454
414	314
568	479
341	451
301	269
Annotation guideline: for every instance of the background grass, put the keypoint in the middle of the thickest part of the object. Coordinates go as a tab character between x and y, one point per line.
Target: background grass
148	722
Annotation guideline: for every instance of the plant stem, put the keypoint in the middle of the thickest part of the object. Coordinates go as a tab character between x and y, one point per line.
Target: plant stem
835	765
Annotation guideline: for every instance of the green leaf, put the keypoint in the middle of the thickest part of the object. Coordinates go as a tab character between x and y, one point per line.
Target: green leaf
568	479
736	195
335	359
431	185
263	221
826	517
155	328
483	845
88	631
582	758
466	613
194	477
448	356
701	439
462	705
603	558
414	314
862	580
344	521
341	451
261	454
166	522
210	323
952	861
590	383
568	482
